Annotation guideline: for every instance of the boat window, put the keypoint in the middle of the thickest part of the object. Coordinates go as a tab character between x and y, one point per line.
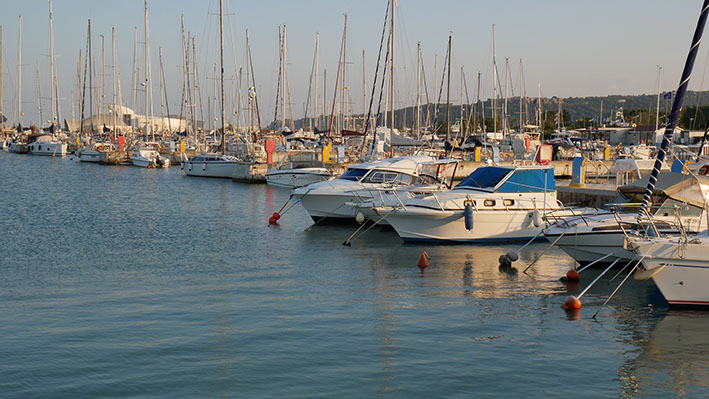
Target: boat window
381	177
353	174
485	177
489	202
508	202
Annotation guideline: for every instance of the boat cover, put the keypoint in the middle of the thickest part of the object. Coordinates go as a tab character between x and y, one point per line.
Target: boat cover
684	188
510	179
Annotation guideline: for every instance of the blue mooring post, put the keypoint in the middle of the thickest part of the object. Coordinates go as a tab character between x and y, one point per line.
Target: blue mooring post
578	172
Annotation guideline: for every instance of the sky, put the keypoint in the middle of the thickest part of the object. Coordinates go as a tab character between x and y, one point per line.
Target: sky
568	48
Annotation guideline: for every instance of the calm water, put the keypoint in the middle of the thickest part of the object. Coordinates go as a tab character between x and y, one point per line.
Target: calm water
127	282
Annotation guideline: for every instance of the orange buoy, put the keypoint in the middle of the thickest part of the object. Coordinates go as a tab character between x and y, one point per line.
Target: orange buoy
423	261
572	275
572	303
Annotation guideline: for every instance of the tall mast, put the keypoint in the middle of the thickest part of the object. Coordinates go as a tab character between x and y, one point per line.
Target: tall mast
113	76
20	114
221	73
134	85
52	72
146	81
391	77
521	80
657	115
364	89
39	94
494	82
418	90
317	66
448	91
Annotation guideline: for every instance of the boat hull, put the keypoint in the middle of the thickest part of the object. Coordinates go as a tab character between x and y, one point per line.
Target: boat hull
47	149
219	169
681	280
294	178
449	226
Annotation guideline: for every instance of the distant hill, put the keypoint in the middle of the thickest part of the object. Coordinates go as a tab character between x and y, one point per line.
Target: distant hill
574	108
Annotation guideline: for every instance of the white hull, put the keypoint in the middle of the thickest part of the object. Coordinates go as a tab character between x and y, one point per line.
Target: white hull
57	149
335	206
588	238
223	169
90	156
681	280
449	226
294	178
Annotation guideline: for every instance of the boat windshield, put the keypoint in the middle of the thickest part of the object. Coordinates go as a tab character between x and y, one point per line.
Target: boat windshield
388	177
353	174
672	207
487	177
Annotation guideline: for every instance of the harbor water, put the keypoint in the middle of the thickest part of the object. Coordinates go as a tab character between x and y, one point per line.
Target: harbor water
130	282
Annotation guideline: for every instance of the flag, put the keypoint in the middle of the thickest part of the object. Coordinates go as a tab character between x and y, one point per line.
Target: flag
667	96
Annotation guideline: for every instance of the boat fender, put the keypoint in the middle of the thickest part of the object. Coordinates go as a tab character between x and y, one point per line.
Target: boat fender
190	168
204	166
537	218
359	217
468	213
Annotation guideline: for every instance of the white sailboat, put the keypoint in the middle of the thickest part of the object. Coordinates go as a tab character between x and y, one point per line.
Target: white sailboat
215	164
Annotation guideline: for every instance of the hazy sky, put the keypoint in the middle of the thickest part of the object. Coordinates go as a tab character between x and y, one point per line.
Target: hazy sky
572	48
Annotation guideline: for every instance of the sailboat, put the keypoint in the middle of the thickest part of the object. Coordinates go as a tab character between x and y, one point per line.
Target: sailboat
49	144
215	164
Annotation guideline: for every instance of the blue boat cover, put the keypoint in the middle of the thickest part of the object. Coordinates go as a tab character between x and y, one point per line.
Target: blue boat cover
510	180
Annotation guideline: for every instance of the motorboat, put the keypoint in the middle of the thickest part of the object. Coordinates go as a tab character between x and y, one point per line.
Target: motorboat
298	169
47	145
678	200
679	266
211	165
334	199
93	153
492	204
376	203
147	156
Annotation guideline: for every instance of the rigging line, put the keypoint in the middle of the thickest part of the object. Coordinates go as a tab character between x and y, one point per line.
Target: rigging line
699	95
376	73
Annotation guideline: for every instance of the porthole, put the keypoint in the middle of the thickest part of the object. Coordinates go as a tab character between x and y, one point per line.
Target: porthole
489	202
508	202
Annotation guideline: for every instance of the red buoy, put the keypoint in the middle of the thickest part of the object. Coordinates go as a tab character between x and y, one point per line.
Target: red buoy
572	303
572	275
273	220
423	261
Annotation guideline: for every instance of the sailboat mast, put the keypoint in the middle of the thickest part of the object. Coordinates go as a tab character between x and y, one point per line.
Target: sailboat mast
418	90
20	114
53	81
657	114
221	73
448	91
494	82
147	82
391	77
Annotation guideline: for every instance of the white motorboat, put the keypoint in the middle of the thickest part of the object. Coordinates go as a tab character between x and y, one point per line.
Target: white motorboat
433	177
93	153
333	199
47	145
211	165
678	265
678	199
147	156
298	169
493	203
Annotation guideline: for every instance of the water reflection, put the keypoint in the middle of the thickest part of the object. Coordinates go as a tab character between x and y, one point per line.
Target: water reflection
674	356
